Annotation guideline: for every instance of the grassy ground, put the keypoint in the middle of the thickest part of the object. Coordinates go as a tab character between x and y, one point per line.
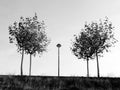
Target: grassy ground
54	83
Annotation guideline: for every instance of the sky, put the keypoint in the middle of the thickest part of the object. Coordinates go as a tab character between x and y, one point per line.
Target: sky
63	19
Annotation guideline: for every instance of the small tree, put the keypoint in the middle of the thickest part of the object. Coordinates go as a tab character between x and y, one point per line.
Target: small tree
29	36
37	39
101	36
82	49
19	35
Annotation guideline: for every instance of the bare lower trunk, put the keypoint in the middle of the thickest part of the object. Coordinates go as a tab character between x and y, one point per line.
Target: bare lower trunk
30	65
98	71
87	67
21	68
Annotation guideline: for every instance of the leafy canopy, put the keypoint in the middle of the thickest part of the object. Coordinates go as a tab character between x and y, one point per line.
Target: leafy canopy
101	35
94	38
29	35
81	46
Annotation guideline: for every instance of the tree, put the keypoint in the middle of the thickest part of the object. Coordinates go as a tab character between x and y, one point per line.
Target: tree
29	36
102	37
81	48
37	38
18	36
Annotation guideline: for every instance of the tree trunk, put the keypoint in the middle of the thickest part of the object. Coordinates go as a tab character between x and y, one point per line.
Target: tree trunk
30	64
87	67
21	68
98	72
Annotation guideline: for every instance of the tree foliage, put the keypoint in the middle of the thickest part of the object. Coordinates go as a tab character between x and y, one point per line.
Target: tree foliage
81	46
29	34
101	35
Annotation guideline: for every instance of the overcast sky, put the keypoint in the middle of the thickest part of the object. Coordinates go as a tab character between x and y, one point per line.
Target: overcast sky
63	19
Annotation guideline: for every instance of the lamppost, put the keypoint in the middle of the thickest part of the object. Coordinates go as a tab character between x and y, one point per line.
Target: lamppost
58	45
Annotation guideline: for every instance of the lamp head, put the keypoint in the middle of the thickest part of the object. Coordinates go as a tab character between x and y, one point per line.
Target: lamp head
58	45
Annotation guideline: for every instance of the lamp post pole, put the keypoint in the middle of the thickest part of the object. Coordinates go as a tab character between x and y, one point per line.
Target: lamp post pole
58	45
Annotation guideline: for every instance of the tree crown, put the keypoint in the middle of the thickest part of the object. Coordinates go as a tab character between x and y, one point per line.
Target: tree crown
29	35
94	38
